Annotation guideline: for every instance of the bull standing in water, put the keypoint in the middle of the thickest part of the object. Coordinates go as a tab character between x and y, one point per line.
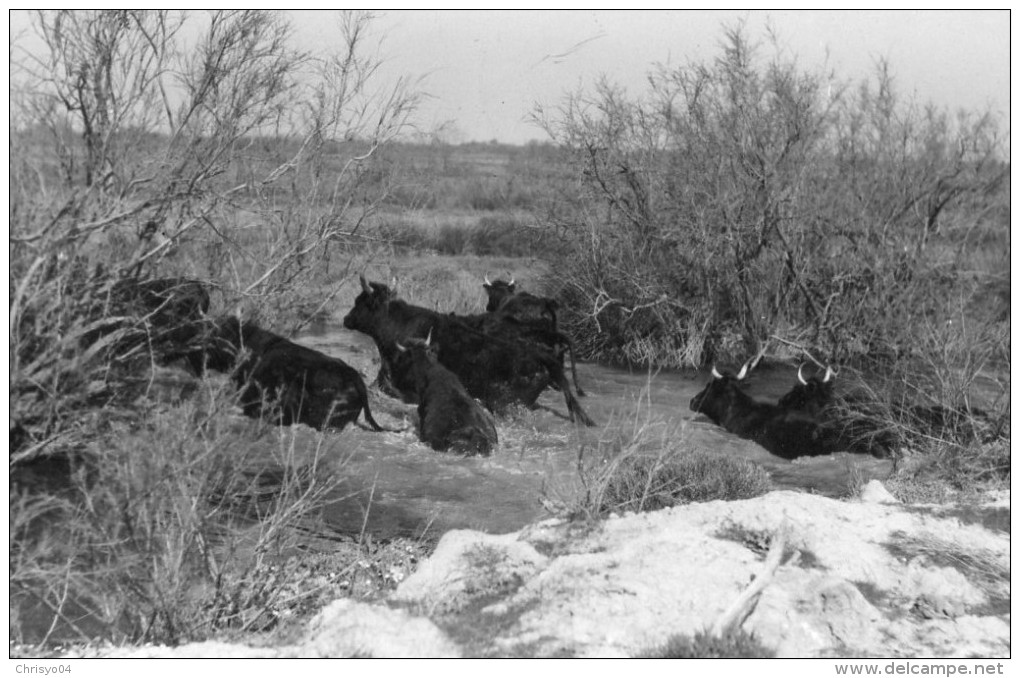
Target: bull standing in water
448	418
536	315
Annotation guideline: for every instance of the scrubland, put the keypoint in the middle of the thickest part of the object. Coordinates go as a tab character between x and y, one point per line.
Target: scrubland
739	207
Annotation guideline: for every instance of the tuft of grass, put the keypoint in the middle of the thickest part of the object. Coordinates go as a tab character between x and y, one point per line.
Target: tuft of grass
678	477
854	479
984	568
947	472
703	645
645	468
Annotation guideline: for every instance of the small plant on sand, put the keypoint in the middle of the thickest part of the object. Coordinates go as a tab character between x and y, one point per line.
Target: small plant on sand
704	645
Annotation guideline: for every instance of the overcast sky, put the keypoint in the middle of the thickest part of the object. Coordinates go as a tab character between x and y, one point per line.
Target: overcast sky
485	70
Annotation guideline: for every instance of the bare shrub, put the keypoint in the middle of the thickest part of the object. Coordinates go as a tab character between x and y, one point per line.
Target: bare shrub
156	144
755	199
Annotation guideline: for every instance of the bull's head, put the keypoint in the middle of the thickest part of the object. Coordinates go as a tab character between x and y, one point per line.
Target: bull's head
369	307
810	395
829	374
412	342
739	376
719	394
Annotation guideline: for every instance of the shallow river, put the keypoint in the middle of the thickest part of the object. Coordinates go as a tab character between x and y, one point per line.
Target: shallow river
395	485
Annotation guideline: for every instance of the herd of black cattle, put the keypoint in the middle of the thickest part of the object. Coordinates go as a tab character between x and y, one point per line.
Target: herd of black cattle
457	369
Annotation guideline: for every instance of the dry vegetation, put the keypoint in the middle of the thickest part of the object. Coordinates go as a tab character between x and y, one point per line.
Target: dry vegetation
737	205
746	205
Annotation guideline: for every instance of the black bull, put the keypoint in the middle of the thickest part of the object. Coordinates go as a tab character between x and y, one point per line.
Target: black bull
537	314
448	417
807	421
492	356
279	377
785	432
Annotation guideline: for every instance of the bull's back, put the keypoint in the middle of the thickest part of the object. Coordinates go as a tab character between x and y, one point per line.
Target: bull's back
311	387
497	370
451	419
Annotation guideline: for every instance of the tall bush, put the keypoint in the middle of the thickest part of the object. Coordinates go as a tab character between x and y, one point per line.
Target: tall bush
747	199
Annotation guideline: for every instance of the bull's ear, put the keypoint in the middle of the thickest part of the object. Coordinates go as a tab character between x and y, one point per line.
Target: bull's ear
364	284
715	373
742	373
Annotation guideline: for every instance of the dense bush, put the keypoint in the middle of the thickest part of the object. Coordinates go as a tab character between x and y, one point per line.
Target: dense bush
746	198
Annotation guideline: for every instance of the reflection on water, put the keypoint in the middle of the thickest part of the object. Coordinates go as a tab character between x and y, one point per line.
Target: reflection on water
397	485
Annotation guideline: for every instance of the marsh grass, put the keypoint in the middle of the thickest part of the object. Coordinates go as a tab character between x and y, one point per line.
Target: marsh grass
165	531
506	234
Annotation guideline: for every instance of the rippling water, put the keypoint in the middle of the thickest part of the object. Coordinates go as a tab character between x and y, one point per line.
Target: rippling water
397	485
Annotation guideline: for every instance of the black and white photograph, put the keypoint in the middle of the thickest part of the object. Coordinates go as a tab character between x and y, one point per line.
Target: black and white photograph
510	334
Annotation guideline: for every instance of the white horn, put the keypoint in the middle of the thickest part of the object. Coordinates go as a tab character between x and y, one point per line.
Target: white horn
487	283
364	284
428	339
829	374
715	373
511	283
800	374
742	373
